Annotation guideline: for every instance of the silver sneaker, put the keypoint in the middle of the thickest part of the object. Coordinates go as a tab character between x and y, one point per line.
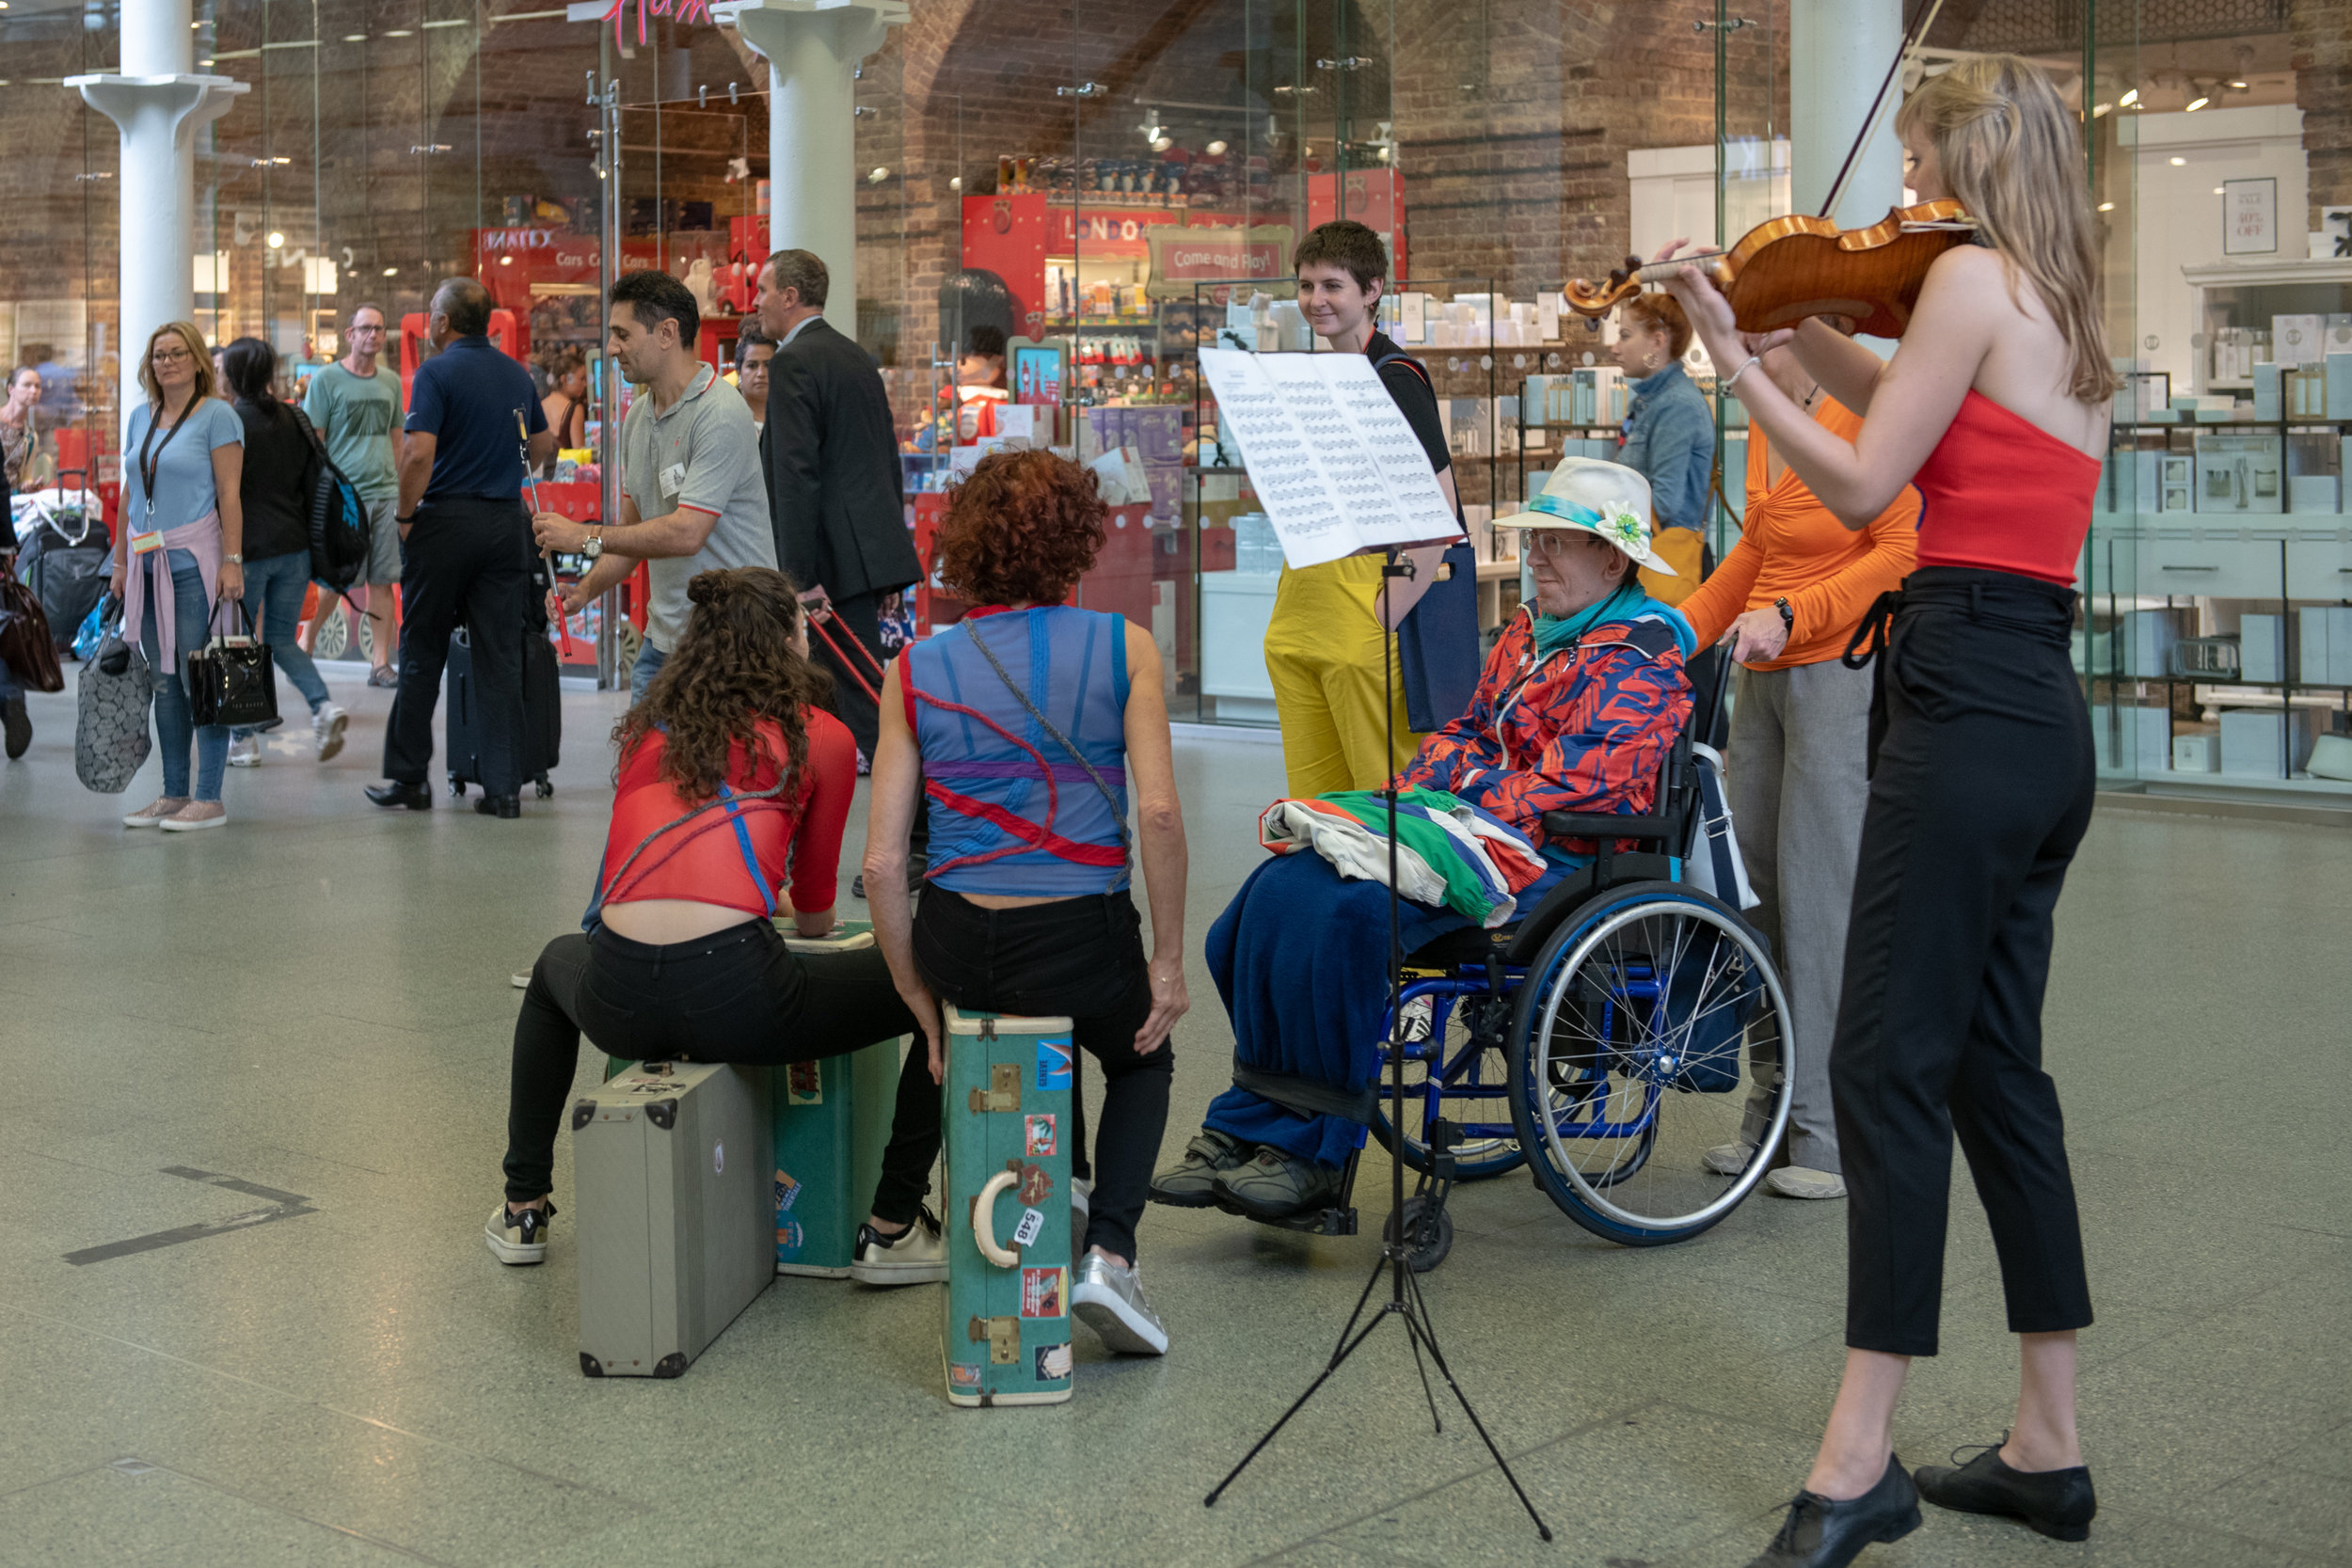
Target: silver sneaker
1111	1300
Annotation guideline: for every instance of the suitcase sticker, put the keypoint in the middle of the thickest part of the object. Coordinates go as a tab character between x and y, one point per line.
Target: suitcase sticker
1043	1291
1039	1139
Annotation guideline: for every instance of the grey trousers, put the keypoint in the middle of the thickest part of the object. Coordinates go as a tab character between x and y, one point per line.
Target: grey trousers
1797	788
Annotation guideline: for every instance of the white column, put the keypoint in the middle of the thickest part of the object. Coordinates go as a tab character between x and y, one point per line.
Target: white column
813	48
1839	51
156	103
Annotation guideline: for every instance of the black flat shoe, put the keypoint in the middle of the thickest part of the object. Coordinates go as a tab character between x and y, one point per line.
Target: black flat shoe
499	805
18	723
2058	1503
393	794
1823	1534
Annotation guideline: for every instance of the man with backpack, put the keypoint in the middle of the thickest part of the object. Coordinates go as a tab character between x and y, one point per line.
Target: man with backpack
1324	640
355	410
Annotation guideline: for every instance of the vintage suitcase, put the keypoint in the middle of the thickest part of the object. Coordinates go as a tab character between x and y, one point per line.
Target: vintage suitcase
832	1120
676	1222
1007	1208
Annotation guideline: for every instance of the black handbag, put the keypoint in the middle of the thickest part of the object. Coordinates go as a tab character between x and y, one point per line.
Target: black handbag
231	680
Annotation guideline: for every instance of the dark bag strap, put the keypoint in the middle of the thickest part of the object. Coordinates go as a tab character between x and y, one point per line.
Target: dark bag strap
1118	818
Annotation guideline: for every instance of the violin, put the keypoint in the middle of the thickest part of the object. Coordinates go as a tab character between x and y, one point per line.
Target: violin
1788	268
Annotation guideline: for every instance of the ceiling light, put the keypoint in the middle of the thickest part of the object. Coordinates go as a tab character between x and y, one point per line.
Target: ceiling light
391	272
400	33
878	176
1216	149
2106	206
2098	109
2179	163
2195	104
275	240
354	37
506	261
2220	190
955	182
2128	98
1161	144
2239	86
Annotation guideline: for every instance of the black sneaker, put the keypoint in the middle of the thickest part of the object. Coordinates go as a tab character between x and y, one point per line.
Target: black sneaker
518	1236
18	724
915	1256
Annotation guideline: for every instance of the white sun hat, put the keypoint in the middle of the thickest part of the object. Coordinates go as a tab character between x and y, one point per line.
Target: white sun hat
1607	499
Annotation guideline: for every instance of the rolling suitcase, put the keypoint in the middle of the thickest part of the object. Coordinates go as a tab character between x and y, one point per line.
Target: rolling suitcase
832	1120
675	1224
1008	1121
542	740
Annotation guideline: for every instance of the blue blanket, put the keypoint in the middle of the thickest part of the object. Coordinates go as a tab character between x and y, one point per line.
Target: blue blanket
1300	960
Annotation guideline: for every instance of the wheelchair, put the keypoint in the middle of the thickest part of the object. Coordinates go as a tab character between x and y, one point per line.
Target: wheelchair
1610	1041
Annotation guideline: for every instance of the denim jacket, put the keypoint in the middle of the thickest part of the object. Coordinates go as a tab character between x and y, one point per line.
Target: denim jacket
1670	441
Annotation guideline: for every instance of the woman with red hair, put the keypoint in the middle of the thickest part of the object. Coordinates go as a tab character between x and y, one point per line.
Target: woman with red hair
1024	726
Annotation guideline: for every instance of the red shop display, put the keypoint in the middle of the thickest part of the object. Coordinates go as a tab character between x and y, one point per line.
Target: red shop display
508	334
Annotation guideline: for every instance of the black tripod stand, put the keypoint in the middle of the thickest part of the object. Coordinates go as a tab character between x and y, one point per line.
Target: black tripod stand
1405	1304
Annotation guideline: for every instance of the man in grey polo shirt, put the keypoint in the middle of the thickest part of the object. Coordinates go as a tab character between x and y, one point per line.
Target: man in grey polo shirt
693	498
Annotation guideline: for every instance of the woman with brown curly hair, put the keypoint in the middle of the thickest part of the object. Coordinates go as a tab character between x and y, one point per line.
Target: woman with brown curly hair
1025	725
730	779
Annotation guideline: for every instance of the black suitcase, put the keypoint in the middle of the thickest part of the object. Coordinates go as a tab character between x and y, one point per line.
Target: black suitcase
543	714
68	581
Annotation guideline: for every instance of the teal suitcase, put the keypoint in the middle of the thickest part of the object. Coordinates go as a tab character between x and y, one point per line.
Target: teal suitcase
832	1120
1006	1207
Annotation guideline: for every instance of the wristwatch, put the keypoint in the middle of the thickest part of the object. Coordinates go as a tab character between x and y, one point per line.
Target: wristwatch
594	546
233	558
1787	616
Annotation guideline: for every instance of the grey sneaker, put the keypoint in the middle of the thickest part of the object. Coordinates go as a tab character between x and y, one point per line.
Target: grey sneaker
915	1256
1186	1183
1275	1185
519	1237
326	730
1804	1181
1110	1300
245	750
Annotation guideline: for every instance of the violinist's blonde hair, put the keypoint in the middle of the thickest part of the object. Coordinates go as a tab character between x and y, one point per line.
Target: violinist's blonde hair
2011	155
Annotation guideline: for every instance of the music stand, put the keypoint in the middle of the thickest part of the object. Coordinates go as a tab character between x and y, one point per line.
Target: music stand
1405	1302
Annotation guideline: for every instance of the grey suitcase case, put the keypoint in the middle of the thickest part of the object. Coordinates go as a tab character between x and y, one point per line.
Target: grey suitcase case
674	1197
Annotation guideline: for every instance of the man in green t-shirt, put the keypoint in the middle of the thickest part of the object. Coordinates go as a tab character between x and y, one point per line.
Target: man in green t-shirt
356	411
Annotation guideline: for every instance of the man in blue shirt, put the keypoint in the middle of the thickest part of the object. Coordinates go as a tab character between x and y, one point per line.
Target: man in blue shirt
471	414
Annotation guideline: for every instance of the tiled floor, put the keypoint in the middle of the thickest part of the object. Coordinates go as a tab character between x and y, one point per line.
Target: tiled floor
292	1037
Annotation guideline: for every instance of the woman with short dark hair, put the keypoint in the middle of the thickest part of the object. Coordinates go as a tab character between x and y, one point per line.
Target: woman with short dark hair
279	483
1025	725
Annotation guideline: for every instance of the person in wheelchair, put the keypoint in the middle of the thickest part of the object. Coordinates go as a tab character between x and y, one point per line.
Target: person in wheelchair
1575	710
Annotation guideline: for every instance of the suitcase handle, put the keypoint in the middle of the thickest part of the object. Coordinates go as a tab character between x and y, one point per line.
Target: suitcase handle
984	1223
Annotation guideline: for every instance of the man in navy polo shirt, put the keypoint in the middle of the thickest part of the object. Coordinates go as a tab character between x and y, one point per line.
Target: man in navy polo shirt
468	547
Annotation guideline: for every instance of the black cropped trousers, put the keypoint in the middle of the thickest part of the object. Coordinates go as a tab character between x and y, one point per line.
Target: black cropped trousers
1981	790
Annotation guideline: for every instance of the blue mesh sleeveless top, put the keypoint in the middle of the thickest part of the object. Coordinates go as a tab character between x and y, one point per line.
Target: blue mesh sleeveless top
1011	812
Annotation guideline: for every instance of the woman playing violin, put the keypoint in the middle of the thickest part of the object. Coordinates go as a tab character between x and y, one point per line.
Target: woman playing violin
1995	405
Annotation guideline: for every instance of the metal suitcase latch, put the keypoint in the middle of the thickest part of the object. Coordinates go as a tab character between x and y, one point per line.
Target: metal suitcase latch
1004	1089
1001	1336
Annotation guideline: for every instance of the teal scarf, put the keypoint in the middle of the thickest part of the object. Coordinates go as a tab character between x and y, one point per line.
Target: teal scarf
1551	635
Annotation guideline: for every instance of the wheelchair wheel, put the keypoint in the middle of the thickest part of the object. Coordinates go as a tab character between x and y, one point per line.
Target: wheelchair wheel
1464	1044
1651	1029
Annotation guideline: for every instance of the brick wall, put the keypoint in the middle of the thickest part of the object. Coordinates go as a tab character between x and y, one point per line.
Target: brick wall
2323	88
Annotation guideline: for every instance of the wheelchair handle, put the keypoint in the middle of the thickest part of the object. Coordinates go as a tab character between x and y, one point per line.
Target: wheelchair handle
984	1223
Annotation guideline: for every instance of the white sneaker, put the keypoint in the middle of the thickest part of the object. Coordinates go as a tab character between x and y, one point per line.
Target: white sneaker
155	812
245	750
326	730
1804	1181
1111	1300
1728	1159
195	817
915	1256
518	1238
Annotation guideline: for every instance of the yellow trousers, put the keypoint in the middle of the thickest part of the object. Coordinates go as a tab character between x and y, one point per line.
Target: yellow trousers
1323	653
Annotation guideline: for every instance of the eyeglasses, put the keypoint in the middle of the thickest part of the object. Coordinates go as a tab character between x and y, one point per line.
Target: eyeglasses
171	356
1557	541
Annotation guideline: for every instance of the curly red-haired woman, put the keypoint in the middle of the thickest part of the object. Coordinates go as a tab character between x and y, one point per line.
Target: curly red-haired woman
1025	725
728	773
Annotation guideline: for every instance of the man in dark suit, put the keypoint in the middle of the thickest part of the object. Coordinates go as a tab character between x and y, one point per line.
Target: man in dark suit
835	484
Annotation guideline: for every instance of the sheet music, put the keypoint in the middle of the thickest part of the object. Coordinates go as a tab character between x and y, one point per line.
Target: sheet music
1335	464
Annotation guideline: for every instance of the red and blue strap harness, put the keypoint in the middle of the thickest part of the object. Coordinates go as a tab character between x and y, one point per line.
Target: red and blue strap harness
738	809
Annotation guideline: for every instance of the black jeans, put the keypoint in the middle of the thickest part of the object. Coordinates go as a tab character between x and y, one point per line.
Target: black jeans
739	995
1981	790
468	560
1081	959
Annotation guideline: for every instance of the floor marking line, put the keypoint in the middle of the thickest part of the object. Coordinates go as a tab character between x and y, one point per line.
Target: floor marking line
156	1240
214	1179
285	1512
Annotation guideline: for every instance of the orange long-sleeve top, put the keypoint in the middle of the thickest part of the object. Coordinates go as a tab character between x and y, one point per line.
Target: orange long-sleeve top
1793	546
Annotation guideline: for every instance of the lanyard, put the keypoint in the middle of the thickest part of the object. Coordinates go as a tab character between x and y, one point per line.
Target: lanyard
147	465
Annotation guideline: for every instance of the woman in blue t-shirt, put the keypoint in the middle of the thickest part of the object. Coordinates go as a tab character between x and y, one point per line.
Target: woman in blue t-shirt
178	553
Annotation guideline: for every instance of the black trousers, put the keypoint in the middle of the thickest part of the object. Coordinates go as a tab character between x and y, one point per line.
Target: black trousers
739	995
1080	958
859	618
1981	790
467	561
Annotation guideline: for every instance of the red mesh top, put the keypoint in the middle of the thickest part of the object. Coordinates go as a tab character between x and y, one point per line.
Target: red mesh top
2002	493
712	860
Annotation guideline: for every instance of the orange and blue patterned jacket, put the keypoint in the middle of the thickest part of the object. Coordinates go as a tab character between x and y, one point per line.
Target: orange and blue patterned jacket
1585	729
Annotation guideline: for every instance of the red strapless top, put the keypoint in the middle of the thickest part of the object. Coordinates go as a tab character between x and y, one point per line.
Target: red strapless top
2002	493
736	853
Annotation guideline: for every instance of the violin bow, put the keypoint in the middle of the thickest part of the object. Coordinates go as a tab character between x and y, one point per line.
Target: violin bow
1921	20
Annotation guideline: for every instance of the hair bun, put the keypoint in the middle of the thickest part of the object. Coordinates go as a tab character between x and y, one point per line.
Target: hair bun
703	588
